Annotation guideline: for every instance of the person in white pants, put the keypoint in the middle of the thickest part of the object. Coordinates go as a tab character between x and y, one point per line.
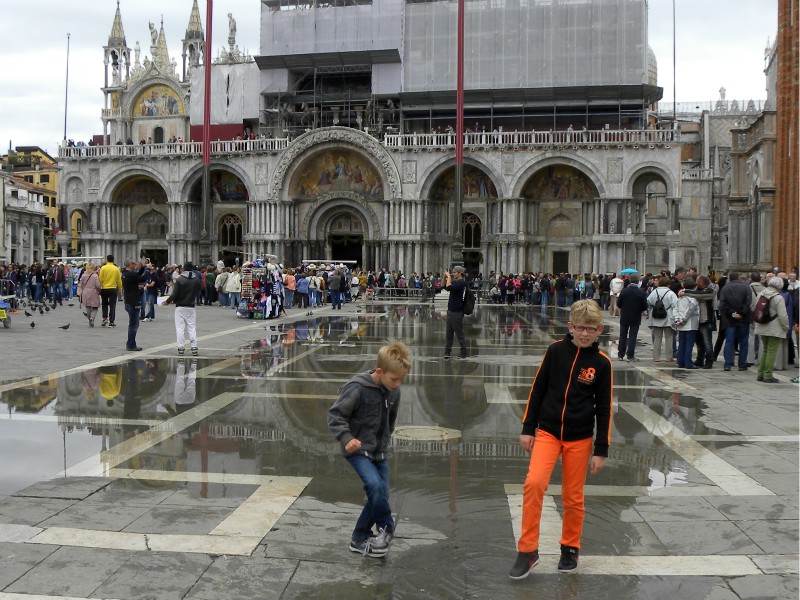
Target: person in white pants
184	291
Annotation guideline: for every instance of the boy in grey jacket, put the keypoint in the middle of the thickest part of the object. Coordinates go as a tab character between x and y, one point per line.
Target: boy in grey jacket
363	419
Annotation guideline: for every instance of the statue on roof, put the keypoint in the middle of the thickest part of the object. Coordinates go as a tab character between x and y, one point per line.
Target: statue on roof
231	29
153	33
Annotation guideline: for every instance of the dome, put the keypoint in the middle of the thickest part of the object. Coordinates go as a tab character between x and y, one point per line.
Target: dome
652	67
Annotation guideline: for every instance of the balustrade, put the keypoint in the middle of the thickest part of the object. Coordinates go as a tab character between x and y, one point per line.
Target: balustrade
432	141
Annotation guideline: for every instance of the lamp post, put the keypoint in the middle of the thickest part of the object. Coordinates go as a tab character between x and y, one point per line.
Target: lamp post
66	92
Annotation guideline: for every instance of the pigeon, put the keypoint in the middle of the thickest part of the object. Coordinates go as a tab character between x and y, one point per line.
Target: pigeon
47	308
33	324
27	314
64	327
41	310
73	304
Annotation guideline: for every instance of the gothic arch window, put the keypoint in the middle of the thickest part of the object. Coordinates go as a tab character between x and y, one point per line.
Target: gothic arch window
152	225
231	231
472	231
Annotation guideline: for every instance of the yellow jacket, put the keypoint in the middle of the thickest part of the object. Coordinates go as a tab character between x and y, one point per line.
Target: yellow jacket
110	277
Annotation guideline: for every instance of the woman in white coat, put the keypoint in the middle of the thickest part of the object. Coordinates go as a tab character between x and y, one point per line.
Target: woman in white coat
233	287
662	327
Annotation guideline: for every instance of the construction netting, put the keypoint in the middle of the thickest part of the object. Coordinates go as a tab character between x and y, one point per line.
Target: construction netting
508	43
526	44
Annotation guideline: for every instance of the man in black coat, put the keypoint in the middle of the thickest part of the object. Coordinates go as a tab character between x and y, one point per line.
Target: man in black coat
632	302
735	317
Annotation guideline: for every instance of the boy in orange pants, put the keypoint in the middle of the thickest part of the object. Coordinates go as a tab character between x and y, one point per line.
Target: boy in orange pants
571	393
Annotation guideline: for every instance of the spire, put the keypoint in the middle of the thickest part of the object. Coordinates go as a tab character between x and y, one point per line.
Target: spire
194	31
161	54
117	37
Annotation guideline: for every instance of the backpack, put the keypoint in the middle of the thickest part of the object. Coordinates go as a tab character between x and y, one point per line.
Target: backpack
761	312
659	310
469	301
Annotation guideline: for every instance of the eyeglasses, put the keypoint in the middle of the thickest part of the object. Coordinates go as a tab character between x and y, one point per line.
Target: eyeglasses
584	328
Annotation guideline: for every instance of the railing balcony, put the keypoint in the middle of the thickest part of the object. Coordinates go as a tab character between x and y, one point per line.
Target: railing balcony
536	139
633	138
696	174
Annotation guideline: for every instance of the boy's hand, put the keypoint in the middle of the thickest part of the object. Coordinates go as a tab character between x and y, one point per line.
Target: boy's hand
598	462
526	442
352	446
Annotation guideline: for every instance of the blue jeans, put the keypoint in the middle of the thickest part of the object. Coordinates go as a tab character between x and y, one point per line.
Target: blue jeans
133	325
740	332
288	298
375	476
336	299
627	340
685	347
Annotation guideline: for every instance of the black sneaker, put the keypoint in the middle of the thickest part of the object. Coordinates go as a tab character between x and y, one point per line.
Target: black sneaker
569	559
523	565
180	351
194	351
365	547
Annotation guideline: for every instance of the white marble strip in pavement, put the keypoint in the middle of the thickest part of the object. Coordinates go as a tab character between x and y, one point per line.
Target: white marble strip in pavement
670	382
10	596
17	533
147	439
632	491
112	361
238	534
499	393
653	566
721	472
755	439
98	466
141	542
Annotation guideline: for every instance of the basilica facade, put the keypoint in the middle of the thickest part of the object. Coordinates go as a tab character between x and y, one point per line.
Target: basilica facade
345	149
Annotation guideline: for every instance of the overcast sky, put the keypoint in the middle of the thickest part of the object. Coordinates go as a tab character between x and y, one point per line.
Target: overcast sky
719	43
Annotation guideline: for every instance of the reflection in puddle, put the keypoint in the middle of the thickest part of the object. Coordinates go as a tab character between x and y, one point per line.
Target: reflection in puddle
284	382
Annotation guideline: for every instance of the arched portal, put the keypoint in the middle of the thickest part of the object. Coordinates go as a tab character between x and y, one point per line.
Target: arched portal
560	209
345	236
471	230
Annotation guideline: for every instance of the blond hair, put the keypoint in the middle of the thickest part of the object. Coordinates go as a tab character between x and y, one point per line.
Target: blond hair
586	311
89	267
394	357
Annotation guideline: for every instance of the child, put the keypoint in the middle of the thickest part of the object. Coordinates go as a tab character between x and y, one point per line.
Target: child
363	419
571	393
687	320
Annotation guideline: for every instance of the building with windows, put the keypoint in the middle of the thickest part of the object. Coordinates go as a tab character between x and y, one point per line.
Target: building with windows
33	165
24	220
345	142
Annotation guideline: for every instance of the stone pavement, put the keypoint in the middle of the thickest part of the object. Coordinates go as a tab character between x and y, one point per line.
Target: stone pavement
144	475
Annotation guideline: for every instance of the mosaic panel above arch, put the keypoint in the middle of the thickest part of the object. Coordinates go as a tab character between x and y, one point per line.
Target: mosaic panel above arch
559	182
158	101
225	187
477	184
339	170
139	190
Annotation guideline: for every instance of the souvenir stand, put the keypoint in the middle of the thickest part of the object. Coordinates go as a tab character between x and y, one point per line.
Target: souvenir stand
262	290
253	303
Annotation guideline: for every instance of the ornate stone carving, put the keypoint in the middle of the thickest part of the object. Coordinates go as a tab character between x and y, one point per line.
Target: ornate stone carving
262	174
326	198
174	170
409	171
614	170
94	178
507	160
337	135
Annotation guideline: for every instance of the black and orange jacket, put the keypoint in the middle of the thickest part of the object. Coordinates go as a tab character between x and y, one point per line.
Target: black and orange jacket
572	390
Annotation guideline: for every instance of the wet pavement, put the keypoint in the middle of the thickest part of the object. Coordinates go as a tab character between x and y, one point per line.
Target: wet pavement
153	476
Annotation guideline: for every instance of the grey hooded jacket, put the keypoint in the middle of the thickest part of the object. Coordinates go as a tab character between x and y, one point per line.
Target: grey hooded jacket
358	413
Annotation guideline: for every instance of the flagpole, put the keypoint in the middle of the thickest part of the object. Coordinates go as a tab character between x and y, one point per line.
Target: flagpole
66	92
205	241
457	249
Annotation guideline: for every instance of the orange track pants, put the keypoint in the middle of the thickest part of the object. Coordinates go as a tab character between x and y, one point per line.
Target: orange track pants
574	463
